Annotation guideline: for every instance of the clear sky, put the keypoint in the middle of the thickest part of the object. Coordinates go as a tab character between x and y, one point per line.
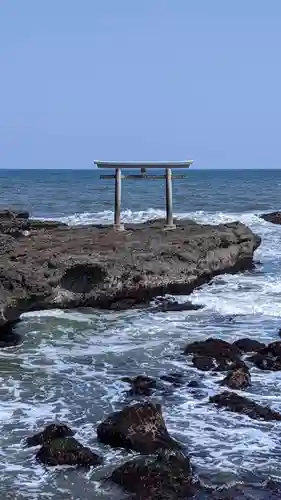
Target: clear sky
140	80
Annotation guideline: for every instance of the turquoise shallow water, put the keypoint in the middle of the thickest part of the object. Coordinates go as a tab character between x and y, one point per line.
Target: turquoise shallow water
69	365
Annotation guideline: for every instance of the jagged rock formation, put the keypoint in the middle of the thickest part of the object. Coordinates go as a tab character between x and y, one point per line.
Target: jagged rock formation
47	264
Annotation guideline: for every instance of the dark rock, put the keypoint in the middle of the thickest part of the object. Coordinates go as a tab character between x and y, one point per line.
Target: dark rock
237	379
193	384
123	305
166	476
12	215
175	379
52	431
140	385
64	267
239	404
273	217
214	355
249	345
140	427
268	358
12	225
46	224
169	305
9	338
67	451
213	348
265	362
203	363
229	365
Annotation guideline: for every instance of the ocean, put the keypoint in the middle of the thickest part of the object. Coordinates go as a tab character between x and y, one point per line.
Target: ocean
68	365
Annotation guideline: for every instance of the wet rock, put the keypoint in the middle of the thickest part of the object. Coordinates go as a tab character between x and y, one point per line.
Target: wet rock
170	305
140	385
239	404
203	363
229	365
214	348
166	476
123	305
237	379
249	345
67	451
193	384
139	427
268	358
52	431
273	217
265	362
9	338
176	379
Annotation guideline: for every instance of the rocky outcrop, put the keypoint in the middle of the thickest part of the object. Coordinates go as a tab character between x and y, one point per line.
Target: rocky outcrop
268	358
45	264
237	379
248	345
213	348
273	217
139	427
215	355
67	451
167	475
232	402
52	431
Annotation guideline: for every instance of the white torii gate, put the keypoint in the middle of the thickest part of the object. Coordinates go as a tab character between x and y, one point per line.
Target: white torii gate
143	166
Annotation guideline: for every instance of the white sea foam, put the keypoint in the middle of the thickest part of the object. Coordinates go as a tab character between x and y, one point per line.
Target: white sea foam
70	366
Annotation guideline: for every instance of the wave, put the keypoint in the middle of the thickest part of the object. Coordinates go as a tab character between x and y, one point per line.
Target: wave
130	216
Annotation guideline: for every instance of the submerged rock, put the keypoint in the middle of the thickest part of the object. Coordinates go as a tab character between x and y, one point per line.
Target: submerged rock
174	378
239	404
249	345
52	431
139	427
67	451
237	379
273	217
166	476
193	384
170	305
140	385
268	358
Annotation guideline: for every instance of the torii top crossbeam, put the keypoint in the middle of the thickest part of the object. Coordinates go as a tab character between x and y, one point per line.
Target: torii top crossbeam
143	166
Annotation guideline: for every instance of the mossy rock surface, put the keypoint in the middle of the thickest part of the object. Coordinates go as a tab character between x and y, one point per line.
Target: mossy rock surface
67	451
165	475
52	431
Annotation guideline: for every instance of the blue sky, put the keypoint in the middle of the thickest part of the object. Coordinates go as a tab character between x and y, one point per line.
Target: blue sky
140	80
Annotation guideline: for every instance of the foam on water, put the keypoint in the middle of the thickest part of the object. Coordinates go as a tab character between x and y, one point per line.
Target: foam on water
70	364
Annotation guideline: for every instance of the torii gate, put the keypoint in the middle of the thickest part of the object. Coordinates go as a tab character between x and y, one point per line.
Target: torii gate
143	166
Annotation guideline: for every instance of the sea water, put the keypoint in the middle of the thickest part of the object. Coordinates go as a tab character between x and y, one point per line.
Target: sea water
69	365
